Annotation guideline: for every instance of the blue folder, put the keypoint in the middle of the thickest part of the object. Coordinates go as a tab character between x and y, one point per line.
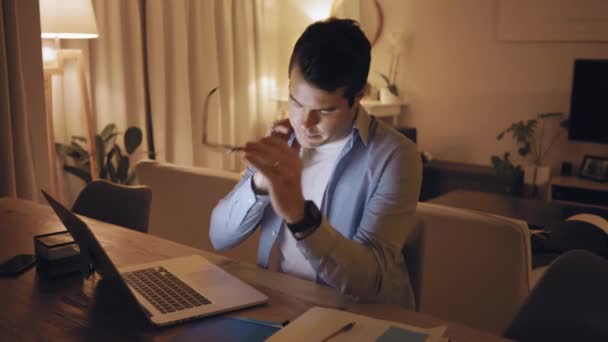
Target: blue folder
229	329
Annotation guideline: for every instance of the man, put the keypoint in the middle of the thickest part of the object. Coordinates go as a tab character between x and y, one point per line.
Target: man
333	190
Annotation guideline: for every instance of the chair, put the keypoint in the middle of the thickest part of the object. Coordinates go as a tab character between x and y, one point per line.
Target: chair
184	198
126	206
469	267
569	303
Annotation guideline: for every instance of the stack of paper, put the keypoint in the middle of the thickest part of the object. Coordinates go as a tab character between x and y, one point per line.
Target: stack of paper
318	323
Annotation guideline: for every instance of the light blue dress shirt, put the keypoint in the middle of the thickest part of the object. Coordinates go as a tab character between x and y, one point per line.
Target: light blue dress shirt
368	212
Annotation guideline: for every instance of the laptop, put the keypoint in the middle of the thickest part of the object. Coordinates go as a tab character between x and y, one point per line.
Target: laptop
169	291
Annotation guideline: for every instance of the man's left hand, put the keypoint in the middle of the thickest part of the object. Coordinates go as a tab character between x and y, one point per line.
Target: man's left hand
282	167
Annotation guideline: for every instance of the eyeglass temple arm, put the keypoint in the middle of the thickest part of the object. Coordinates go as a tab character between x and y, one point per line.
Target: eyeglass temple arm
206	114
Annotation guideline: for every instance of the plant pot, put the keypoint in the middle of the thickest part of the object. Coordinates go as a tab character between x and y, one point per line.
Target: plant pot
387	97
536	175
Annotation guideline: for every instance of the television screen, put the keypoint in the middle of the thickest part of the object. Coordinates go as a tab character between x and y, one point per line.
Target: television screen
589	101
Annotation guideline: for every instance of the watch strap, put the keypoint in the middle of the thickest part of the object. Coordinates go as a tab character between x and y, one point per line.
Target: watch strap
311	220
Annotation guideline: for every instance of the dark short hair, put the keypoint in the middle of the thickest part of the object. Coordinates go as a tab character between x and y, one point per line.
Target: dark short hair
332	54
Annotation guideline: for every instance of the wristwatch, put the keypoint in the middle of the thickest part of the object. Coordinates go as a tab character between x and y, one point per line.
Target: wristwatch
309	223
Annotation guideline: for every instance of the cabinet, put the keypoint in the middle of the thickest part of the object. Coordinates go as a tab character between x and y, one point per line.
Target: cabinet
440	177
573	190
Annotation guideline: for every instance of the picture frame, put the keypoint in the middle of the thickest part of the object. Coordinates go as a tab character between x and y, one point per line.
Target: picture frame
594	168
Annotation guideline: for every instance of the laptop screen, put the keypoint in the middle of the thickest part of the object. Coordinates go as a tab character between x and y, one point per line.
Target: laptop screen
84	237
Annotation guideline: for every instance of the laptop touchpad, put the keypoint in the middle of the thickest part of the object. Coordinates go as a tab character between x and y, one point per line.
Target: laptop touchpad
209	278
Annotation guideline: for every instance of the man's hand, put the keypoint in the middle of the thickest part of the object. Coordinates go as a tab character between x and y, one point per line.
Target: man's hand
280	169
283	129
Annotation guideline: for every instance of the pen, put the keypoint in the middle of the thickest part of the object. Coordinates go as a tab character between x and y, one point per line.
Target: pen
339	331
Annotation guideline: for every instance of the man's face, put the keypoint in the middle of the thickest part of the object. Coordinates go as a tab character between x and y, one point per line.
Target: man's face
318	116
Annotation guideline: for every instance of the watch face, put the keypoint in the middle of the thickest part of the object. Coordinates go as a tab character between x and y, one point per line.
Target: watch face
313	215
312	218
312	211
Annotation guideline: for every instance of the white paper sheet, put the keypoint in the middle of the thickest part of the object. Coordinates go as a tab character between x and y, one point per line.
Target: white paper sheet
318	323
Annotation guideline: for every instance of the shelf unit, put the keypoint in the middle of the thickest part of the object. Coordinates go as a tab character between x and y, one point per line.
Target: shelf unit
578	191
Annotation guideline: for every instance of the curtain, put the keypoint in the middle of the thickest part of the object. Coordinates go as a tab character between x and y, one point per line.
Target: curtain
24	163
193	46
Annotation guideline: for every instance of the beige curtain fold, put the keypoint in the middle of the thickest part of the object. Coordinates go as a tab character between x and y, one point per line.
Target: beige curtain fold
24	163
193	46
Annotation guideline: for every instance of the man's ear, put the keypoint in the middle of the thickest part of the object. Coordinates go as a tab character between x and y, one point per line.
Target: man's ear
361	93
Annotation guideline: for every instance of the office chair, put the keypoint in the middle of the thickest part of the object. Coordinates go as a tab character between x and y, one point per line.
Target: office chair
570	302
126	206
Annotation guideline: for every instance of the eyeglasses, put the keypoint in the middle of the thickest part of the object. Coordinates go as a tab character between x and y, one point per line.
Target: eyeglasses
215	146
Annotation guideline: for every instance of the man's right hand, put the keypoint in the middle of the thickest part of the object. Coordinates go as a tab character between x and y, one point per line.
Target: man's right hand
280	128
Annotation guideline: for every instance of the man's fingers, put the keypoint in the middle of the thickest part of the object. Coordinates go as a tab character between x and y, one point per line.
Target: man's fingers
276	142
261	164
264	150
282	126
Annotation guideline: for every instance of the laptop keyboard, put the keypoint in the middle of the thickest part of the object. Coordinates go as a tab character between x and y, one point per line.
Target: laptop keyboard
164	290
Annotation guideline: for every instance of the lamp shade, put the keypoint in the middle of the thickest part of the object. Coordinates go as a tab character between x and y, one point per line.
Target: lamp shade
67	19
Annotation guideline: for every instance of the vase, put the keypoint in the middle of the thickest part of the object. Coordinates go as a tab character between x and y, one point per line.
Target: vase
536	175
387	97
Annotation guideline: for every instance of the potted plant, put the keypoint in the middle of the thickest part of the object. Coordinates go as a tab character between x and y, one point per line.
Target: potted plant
113	163
531	148
388	93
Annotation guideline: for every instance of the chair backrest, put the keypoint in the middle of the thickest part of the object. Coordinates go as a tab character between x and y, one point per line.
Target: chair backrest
184	198
469	267
569	303
127	206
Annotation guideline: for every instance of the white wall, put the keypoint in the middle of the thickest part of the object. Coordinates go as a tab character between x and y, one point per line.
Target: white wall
464	85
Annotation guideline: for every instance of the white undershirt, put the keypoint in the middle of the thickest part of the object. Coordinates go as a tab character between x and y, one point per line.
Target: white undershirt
317	167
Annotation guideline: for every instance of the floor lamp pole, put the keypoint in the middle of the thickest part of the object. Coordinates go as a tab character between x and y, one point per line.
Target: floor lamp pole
50	134
58	68
86	105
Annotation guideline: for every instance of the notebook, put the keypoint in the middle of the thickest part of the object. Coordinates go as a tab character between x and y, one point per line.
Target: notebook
318	323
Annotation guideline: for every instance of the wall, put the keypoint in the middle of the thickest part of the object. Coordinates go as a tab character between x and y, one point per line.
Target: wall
464	85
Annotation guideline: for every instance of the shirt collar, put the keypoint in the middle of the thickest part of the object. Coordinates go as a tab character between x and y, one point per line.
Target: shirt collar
362	123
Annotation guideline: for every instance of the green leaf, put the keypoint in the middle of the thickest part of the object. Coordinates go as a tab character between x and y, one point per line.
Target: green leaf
110	141
107	131
550	115
80	151
133	138
524	150
79	138
385	78
101	152
393	89
82	174
123	169
64	150
115	150
111	170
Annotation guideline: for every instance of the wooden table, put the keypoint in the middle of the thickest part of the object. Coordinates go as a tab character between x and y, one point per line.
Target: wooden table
71	308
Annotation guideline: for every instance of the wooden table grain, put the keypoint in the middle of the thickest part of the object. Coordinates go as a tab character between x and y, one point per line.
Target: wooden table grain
73	308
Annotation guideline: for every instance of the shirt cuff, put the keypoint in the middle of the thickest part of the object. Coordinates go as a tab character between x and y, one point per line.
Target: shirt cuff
247	202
